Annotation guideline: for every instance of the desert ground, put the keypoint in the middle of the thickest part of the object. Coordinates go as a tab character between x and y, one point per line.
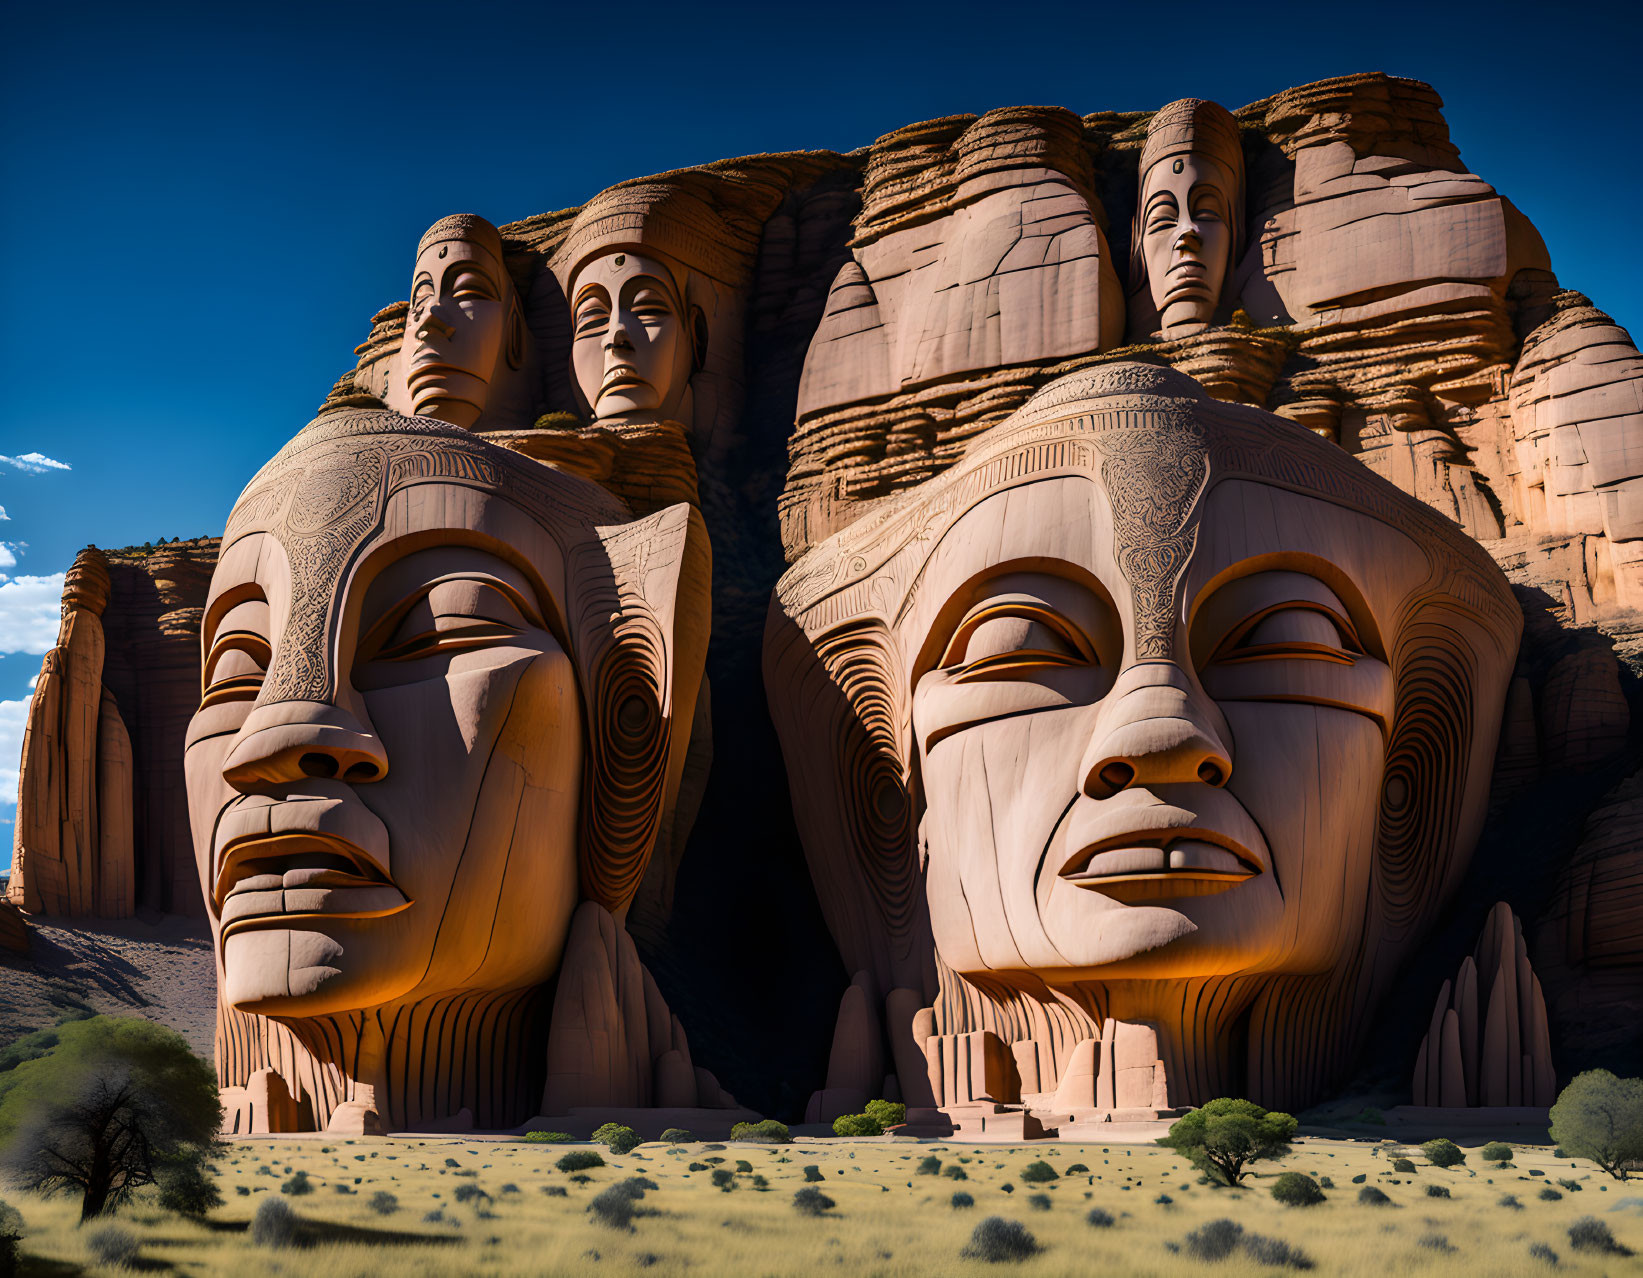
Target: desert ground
526	1217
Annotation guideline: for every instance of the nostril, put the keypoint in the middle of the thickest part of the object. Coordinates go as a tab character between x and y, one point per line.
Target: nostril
1210	773
361	772
1113	778
314	764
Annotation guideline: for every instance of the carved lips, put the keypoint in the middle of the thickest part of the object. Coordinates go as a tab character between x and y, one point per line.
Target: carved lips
281	859
1168	841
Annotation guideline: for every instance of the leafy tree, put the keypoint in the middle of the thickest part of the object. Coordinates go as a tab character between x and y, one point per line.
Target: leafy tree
767	1130
109	1105
186	1188
1224	1135
1600	1117
1443	1152
1496	1151
1294	1189
887	1114
619	1139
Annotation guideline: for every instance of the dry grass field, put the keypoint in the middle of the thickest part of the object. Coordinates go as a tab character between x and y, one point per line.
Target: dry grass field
888	1219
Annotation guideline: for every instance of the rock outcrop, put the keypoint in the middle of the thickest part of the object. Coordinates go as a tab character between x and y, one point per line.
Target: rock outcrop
1489	1043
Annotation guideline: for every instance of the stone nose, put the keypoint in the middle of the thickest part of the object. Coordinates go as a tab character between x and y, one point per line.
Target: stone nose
431	324
289	740
1156	728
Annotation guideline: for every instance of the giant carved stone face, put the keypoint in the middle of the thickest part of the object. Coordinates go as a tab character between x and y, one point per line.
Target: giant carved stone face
1146	691
386	772
1186	227
632	352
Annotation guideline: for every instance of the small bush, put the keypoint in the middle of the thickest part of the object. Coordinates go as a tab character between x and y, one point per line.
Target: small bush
1007	1188
1369	1196
1591	1234
1039	1173
1293	1189
1326	1182
1443	1153
114	1246
768	1130
887	1114
962	1199
724	1178
954	1172
556	1191
275	1224
1540	1251
1510	1202
996	1239
185	1188
857	1125
1549	1195
930	1166
743	1167
579	1160
1403	1165
298	1184
760	1183
1275	1252
618	1139
470	1192
1099	1219
1437	1191
813	1173
1164	1200
383	1203
810	1201
1496	1151
1039	1202
547	1138
1215	1240
1435	1242
676	1136
616	1206
1078	1169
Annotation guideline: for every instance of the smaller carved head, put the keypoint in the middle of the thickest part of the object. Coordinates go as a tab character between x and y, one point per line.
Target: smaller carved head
643	267
1188	217
465	330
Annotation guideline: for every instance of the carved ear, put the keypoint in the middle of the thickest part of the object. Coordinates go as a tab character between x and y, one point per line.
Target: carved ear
515	351
698	339
639	628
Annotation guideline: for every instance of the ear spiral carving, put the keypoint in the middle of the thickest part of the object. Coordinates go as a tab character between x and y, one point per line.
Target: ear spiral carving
623	787
871	778
1423	788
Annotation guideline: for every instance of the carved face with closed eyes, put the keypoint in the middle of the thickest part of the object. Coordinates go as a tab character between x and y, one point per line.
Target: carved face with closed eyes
1190	695
632	351
386	770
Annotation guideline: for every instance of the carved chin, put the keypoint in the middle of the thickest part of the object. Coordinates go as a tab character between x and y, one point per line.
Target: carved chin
286	971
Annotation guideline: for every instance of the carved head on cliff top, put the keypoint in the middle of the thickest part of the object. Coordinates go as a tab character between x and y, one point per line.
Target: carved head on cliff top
1148	691
465	341
440	689
1189	216
641	267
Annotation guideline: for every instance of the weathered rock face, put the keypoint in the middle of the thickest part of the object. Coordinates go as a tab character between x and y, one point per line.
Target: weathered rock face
73	849
833	332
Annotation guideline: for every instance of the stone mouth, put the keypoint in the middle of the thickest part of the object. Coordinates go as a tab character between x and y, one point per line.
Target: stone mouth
273	879
1156	865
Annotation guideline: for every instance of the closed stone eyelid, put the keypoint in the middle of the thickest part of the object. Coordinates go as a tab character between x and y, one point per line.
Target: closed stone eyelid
1228	644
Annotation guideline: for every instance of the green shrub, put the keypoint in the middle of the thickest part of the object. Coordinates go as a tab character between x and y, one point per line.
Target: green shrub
887	1114
676	1136
275	1224
954	1172
1496	1151
1099	1219
1591	1234
579	1160
1369	1196
1225	1135
383	1203
1039	1202
724	1178
930	1166
1078	1169
1039	1173
768	1131
1510	1202
298	1185
618	1139
810	1201
470	1192
857	1125
1600	1117
1549	1195
813	1173
961	1200
996	1239
1437	1191
1293	1189
616	1206
1573	1186
1404	1166
114	1246
185	1188
1443	1153
1215	1239
547	1138
1540	1251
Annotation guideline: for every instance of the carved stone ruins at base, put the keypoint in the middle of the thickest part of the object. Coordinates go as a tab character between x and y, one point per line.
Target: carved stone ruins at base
1148	486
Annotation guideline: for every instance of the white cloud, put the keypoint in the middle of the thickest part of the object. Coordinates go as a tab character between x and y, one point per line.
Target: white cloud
30	609
4	517
8	557
34	463
14	717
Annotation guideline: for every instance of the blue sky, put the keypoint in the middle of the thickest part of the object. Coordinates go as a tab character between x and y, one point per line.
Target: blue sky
204	208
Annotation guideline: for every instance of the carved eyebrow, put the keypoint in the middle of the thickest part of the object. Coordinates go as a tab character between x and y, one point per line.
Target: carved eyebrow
1157	197
588	290
468	264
